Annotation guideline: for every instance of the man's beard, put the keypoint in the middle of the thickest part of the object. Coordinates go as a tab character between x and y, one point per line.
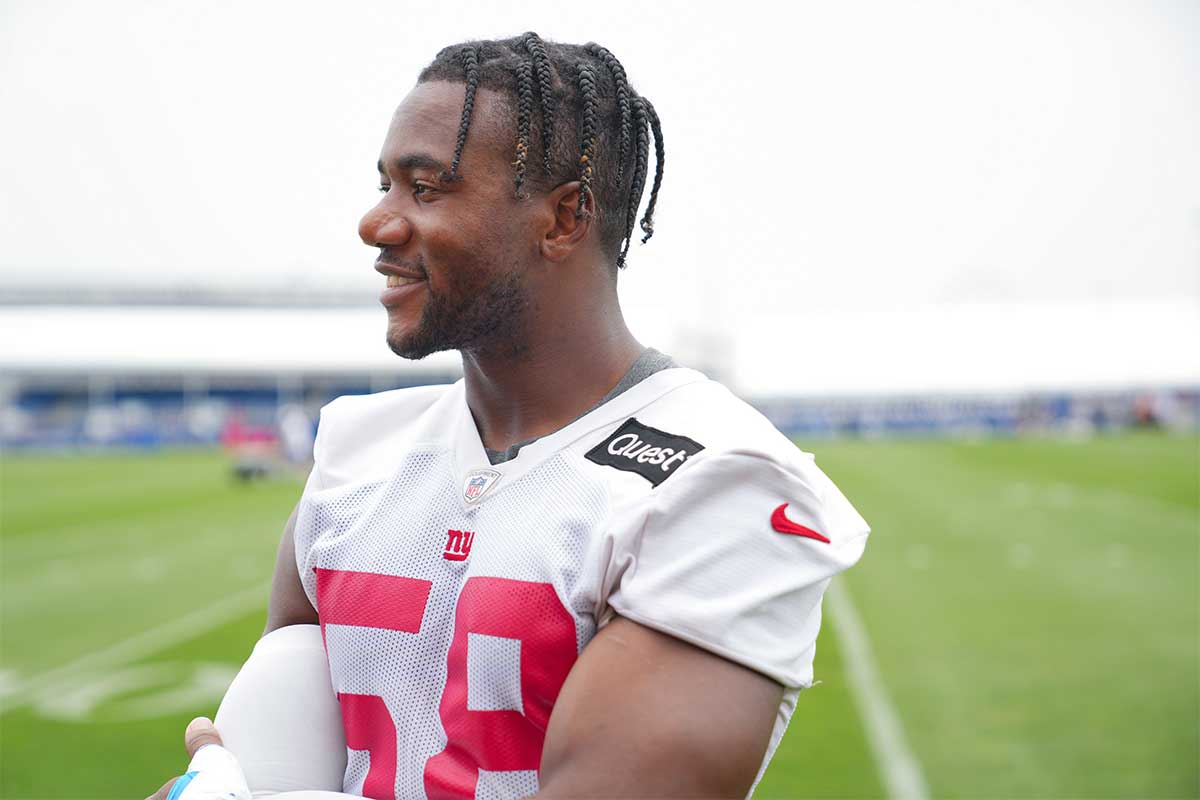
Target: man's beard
489	320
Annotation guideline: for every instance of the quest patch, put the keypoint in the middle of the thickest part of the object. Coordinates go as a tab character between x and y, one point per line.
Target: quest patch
649	452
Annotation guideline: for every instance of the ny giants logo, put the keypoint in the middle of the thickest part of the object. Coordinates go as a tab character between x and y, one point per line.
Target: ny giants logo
458	545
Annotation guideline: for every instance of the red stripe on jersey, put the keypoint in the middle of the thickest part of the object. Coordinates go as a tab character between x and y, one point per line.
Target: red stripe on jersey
370	600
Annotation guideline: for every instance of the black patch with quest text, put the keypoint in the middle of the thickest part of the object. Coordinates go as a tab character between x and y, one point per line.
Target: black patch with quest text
649	452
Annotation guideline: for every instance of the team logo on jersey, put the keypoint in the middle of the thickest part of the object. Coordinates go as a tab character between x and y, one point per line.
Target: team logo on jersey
649	452
458	545
478	483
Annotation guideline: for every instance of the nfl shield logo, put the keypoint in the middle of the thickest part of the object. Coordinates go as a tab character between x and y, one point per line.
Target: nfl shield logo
477	484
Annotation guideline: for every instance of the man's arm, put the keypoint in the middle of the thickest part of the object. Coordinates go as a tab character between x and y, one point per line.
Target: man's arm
643	714
289	604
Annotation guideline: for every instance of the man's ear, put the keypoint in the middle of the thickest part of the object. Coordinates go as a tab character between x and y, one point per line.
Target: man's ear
565	231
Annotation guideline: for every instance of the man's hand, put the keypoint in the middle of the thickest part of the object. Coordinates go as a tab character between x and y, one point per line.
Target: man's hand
200	732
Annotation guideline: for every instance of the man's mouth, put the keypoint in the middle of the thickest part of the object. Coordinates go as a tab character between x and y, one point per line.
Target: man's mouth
397	275
399	280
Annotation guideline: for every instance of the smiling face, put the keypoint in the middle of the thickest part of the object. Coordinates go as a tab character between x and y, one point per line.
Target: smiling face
455	253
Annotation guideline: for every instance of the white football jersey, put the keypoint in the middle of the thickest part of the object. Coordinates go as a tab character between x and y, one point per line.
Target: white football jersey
455	595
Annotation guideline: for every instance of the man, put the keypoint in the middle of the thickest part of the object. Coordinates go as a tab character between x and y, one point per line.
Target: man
582	570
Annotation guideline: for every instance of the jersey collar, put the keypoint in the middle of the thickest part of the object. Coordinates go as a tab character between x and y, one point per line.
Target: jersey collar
471	461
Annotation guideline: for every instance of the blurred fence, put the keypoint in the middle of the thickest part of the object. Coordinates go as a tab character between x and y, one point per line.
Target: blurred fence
1078	413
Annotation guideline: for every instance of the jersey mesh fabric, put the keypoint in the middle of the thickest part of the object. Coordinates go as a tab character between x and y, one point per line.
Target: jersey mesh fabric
557	544
505	785
538	529
374	529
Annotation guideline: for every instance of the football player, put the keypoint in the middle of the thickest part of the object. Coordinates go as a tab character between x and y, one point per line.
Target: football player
582	570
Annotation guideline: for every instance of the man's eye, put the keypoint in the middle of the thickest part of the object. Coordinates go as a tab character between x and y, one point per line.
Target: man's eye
421	188
384	188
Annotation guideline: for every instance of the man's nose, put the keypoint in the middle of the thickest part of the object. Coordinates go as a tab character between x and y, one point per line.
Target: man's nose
381	227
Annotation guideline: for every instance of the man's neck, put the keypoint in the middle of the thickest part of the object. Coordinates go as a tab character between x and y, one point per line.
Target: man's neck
552	380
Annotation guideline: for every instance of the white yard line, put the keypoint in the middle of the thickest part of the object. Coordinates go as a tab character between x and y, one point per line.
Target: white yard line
186	628
898	767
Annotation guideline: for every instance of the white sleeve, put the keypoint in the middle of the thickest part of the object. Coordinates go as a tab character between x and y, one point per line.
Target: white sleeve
703	559
281	718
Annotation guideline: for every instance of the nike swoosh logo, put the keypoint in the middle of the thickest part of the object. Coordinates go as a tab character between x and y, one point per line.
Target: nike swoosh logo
781	523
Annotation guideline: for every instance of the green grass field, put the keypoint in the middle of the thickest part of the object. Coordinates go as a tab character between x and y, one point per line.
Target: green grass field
1032	606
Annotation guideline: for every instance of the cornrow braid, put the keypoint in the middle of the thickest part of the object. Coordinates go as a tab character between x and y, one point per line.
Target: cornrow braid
470	59
641	164
590	99
660	154
541	66
622	86
524	111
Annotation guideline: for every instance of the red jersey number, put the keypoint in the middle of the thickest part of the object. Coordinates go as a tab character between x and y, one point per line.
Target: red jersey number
491	740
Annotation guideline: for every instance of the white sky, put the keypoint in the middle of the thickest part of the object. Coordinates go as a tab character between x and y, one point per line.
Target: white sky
895	156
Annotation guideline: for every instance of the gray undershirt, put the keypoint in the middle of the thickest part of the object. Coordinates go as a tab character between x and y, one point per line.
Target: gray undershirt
648	363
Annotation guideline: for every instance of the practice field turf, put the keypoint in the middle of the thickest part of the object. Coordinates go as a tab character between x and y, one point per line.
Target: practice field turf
1031	606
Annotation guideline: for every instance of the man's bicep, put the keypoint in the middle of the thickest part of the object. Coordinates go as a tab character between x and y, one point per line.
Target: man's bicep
289	604
645	714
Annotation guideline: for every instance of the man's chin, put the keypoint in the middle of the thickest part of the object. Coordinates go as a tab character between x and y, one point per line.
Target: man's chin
412	345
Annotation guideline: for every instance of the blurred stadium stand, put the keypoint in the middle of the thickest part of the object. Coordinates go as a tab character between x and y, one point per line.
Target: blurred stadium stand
148	368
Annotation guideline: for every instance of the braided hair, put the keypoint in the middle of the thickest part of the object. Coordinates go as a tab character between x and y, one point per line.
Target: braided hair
541	64
587	132
524	113
470	62
622	89
575	104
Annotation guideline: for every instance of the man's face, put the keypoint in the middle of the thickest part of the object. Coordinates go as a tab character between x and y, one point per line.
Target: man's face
453	252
